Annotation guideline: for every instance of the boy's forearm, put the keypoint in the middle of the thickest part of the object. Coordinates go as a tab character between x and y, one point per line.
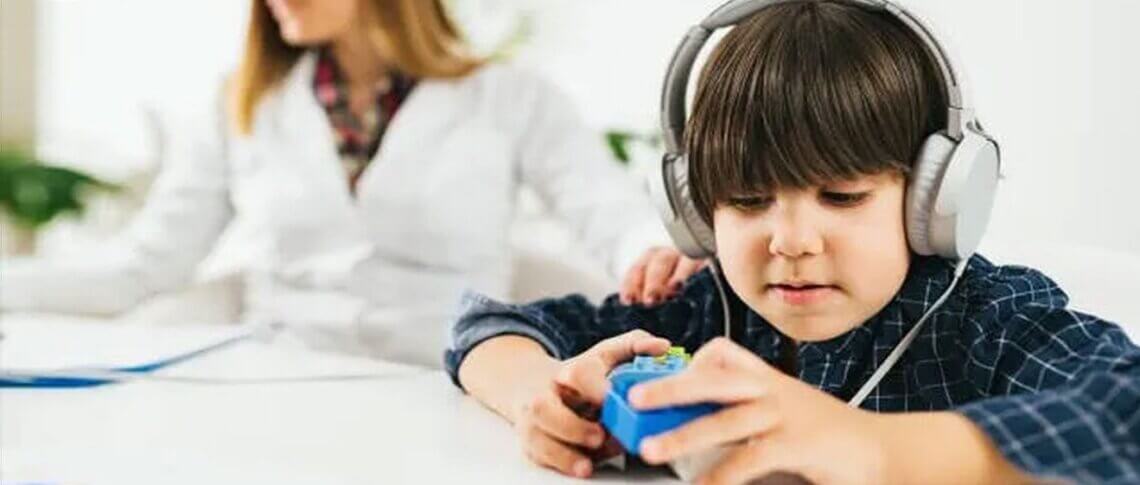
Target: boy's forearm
500	370
942	447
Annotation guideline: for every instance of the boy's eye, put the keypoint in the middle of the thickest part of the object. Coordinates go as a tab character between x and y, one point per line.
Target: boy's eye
844	199
752	203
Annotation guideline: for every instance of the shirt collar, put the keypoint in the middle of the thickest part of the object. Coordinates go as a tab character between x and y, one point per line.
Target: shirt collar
329	83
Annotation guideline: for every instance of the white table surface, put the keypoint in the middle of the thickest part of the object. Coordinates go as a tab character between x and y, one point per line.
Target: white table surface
413	427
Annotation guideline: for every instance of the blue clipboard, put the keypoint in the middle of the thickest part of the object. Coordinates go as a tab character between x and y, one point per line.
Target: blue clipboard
65	378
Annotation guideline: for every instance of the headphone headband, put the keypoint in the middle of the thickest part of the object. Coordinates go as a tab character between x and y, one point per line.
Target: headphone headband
735	11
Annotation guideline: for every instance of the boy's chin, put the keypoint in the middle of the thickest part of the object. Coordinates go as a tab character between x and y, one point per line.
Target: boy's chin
816	327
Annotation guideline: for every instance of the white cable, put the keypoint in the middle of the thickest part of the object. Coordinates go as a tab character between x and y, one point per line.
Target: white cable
906	341
716	271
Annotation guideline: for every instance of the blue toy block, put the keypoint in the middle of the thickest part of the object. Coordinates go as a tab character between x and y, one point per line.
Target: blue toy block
630	426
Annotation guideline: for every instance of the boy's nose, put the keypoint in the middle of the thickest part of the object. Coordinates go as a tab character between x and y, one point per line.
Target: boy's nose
794	237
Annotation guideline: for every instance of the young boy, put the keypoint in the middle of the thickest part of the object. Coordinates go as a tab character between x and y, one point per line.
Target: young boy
803	128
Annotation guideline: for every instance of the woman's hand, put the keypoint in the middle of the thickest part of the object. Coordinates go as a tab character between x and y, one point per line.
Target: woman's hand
657	276
556	422
770	422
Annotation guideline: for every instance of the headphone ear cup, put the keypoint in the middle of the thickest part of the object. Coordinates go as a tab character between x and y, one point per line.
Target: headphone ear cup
922	191
672	196
965	196
702	232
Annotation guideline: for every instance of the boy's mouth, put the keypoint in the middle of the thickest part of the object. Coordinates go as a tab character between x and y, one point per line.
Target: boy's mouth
801	293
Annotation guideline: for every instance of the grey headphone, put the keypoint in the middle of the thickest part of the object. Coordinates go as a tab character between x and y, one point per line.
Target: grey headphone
951	191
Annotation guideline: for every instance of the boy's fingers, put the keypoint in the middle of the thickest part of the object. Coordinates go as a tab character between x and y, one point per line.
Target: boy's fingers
550	414
586	373
697	386
611	448
573	399
548	452
651	346
614	351
730	425
723	353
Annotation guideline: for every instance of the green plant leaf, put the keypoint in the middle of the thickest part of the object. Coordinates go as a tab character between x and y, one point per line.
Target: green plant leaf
618	141
33	193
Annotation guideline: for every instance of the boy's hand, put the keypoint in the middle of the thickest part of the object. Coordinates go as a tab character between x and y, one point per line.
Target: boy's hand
557	422
774	423
657	275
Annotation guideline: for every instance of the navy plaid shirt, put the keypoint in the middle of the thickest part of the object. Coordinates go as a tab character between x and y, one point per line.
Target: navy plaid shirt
1057	391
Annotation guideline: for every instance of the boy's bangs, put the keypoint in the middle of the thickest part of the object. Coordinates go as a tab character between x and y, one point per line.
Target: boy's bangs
817	93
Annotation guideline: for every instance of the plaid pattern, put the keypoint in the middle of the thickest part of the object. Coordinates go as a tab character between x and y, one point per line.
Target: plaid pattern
357	138
1056	390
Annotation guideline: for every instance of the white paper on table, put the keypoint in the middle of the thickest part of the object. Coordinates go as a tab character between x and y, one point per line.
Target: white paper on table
32	342
46	343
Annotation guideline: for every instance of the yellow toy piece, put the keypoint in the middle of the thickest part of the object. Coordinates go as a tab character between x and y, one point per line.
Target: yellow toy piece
678	352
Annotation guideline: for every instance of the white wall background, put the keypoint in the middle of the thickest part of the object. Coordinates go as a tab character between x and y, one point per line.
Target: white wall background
1057	81
104	61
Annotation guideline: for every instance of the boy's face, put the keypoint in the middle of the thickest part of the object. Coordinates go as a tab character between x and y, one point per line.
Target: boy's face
816	263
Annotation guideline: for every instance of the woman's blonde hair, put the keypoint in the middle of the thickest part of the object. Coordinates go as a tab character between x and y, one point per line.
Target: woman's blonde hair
415	36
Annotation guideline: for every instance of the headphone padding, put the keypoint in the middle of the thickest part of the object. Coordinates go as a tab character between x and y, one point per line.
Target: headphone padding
701	231
926	177
669	190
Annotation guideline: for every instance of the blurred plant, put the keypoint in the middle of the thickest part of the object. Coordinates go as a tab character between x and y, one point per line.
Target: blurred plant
620	142
33	193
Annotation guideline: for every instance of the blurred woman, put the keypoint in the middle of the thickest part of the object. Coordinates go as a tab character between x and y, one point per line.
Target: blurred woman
372	165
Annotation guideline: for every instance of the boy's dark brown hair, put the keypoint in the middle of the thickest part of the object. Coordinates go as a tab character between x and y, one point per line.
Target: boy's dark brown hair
808	93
